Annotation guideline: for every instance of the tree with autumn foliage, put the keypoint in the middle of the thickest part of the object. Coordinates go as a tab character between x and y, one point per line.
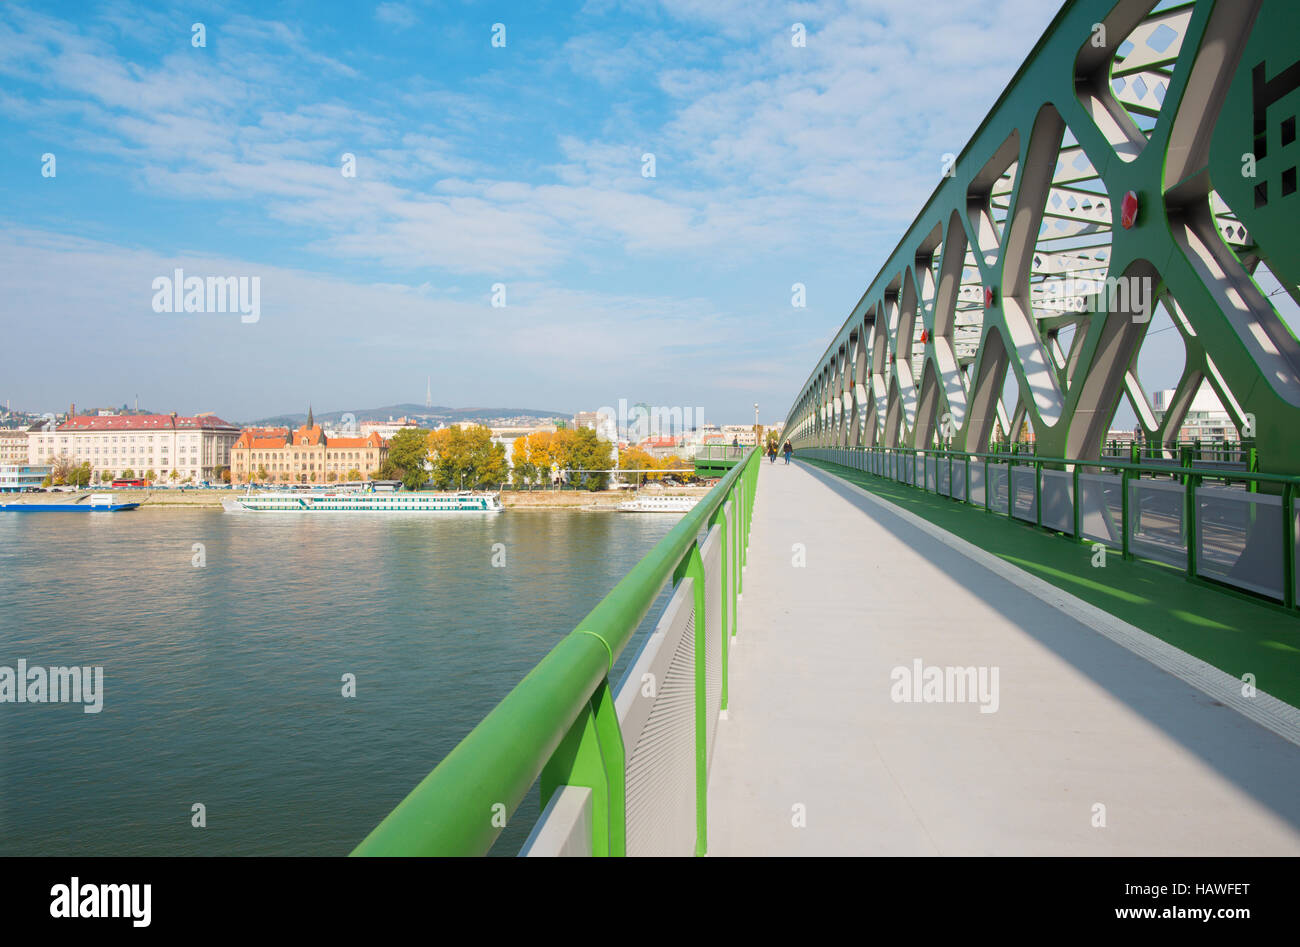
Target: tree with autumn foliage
638	463
533	457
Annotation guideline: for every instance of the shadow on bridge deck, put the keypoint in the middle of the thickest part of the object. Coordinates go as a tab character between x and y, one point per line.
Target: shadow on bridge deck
815	736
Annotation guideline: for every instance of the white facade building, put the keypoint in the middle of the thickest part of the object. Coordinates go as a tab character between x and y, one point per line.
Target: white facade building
13	446
193	447
1206	418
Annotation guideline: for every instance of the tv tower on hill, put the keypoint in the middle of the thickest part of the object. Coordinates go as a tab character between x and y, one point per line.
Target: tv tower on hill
428	393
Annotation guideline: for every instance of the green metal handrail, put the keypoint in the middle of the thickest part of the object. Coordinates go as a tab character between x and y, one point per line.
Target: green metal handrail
461	807
1191	476
1015	460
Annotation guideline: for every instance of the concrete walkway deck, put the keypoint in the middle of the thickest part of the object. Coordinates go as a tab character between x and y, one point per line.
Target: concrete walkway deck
814	736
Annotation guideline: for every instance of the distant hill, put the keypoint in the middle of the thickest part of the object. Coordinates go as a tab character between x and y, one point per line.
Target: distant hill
438	414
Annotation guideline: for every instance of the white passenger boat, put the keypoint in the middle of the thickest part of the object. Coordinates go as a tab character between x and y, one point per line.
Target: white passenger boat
645	503
327	501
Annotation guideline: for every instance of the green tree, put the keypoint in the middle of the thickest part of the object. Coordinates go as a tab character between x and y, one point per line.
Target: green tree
407	453
587	452
150	475
127	474
80	475
261	473
354	474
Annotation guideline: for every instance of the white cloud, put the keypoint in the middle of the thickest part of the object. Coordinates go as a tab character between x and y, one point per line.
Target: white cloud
396	14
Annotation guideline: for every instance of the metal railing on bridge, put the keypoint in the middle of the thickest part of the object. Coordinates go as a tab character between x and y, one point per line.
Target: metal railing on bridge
1228	527
721	452
623	768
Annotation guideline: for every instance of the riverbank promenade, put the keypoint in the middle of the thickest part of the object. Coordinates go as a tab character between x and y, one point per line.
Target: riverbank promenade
1088	736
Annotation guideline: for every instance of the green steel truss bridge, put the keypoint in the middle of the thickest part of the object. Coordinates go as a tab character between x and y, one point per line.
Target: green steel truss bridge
924	636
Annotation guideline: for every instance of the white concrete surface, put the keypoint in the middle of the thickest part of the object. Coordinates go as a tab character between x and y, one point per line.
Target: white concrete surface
1081	722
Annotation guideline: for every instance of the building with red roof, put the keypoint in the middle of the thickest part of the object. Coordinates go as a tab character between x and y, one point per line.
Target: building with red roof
195	448
304	455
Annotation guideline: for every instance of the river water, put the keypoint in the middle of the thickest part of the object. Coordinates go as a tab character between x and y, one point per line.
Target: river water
223	681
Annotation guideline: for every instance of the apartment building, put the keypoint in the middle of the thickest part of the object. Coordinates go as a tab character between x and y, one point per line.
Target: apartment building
193	447
13	447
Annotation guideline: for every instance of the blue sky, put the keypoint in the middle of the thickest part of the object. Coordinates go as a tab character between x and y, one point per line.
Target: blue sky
476	165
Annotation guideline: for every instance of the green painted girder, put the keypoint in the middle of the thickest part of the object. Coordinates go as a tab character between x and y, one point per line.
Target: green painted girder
1191	107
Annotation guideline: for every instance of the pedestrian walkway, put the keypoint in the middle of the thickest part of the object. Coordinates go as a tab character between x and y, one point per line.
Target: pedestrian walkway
1075	745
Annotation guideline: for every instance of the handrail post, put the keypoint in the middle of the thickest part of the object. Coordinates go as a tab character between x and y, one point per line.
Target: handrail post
1288	545
1078	501
1038	493
1011	482
1124	477
592	755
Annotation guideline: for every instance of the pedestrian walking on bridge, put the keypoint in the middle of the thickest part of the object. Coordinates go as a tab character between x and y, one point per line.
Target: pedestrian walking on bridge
788	451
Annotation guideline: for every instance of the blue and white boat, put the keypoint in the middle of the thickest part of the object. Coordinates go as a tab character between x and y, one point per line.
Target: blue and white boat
350	501
80	503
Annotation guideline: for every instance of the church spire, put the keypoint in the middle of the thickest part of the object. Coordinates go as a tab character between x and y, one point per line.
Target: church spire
311	422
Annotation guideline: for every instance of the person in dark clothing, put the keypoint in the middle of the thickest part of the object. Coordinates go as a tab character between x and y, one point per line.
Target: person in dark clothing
771	452
788	451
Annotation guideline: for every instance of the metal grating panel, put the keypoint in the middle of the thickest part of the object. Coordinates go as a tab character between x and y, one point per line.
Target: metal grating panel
564	829
733	557
929	474
1157	528
997	487
711	553
1058	500
1024	494
1101	507
658	725
977	477
959	481
942	466
1238	538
